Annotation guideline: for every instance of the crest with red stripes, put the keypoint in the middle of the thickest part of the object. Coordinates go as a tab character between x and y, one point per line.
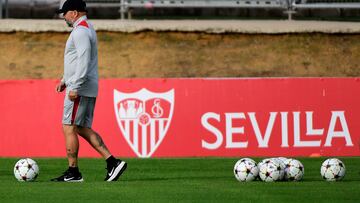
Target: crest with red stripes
144	118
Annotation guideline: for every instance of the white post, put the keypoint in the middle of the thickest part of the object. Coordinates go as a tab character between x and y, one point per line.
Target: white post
122	9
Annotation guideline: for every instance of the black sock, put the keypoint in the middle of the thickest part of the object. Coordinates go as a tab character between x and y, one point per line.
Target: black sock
74	169
110	160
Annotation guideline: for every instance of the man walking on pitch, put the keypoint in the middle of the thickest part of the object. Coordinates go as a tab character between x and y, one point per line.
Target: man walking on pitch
80	80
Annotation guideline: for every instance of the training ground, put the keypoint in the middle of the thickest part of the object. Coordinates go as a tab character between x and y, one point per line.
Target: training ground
176	180
166	49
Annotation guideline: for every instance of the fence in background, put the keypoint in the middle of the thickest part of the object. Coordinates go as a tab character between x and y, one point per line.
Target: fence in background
289	6
325	4
127	6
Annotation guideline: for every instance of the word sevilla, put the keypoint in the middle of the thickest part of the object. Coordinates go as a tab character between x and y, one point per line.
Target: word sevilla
337	119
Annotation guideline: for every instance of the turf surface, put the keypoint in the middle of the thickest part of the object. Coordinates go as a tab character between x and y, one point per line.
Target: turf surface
176	180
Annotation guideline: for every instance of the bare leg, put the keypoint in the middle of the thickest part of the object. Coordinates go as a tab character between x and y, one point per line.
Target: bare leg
72	144
94	139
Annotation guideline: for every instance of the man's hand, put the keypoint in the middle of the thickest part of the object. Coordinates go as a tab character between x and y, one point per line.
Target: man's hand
72	95
60	87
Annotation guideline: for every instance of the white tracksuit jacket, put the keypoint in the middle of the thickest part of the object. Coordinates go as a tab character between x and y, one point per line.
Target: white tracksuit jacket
81	60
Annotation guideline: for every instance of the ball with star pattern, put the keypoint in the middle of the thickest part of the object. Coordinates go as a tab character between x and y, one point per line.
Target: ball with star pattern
332	169
26	170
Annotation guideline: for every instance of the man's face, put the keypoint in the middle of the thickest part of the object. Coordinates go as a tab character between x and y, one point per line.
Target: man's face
70	17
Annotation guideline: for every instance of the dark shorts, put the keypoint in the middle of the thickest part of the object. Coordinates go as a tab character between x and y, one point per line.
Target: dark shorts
79	112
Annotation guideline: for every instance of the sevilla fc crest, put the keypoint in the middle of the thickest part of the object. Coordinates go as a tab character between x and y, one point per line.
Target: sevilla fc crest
144	118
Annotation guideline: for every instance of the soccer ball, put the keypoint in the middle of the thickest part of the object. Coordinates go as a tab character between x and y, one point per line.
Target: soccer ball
26	170
269	170
332	169
294	170
282	166
246	170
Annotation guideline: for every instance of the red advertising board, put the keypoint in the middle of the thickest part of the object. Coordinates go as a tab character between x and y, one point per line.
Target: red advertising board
191	117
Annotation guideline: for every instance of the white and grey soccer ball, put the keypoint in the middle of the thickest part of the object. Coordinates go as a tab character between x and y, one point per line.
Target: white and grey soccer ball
294	170
282	166
246	170
26	170
333	169
269	170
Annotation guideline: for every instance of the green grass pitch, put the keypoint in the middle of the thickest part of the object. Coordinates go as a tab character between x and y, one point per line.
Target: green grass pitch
175	180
